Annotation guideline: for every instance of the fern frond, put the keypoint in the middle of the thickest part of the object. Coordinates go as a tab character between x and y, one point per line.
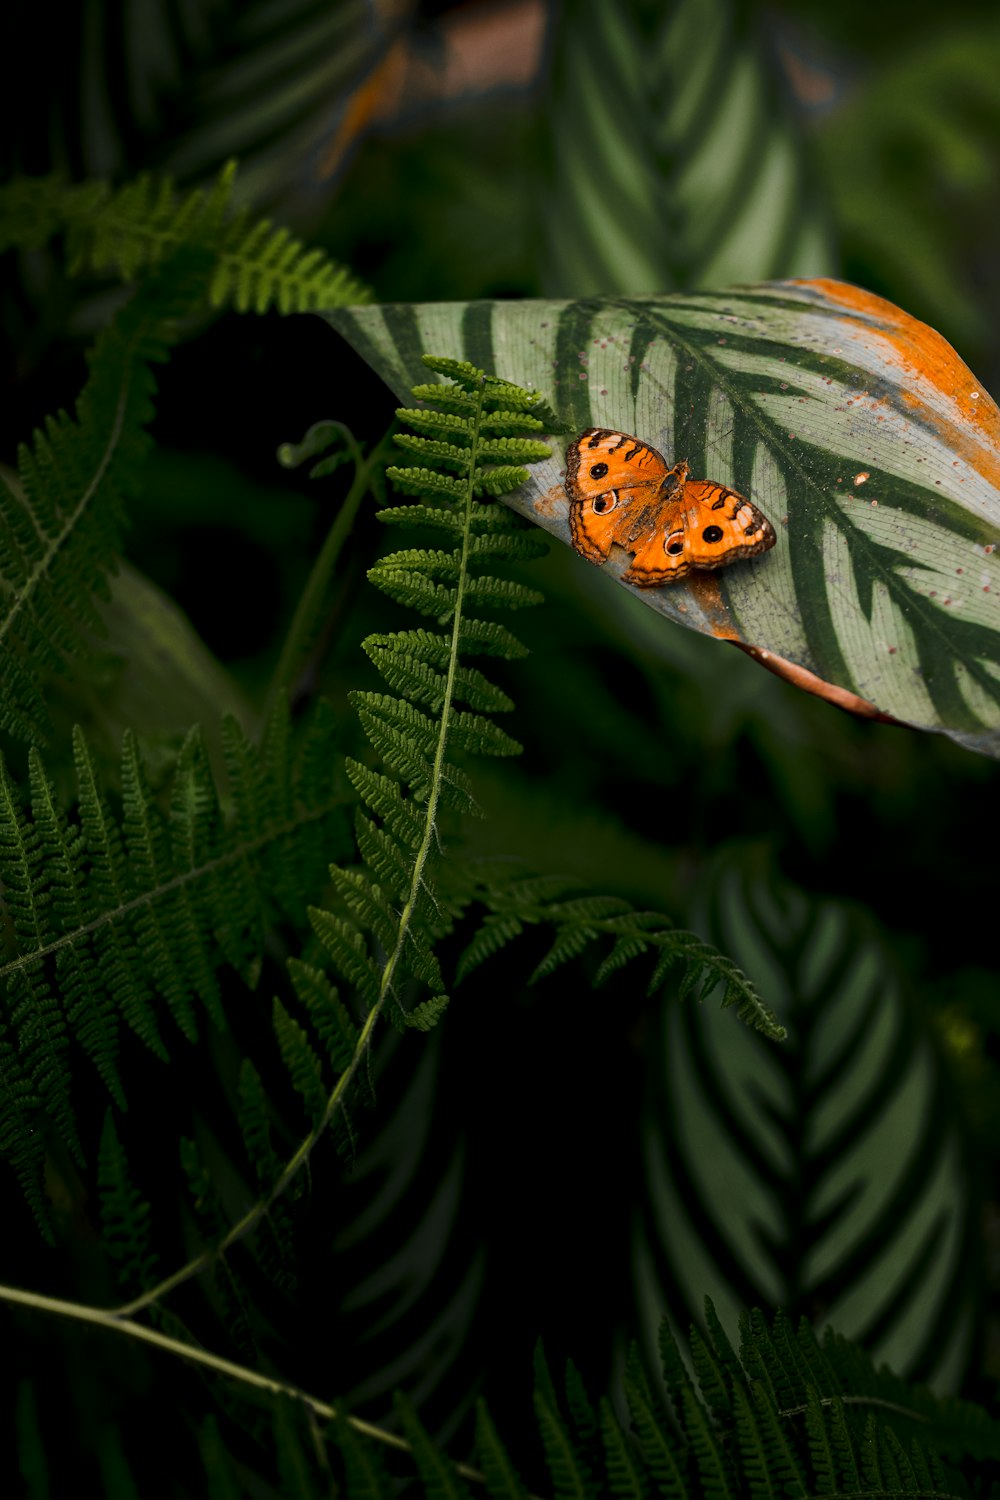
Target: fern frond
624	1475
295	1477
387	860
222	1483
437	1472
365	1474
128	920
255	1125
21	1142
260	266
497	520
400	815
771	1358
60	529
125	1214
137	227
415	662
347	949
300	1060
328	1014
423	667
495	932
715	1480
434	450
832	1458
434	516
428	1013
61	524
90	1013
711	1379
581	1410
33	1010
515	422
364	900
502	1480
722	1348
380	930
501	593
665	1461
772	1445
499	542
413	481
571	1477
580	921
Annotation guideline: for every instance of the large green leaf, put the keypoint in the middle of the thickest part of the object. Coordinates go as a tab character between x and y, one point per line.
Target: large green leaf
857	430
187	87
911	159
684	171
827	1176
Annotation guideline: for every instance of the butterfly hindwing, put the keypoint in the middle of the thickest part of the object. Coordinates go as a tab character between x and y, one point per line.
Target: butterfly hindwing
623	492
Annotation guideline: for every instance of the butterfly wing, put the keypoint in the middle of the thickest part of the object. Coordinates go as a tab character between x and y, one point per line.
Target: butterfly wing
713	527
615	484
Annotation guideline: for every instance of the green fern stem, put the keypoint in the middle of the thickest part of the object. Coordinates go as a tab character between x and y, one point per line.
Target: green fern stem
430	821
294	1165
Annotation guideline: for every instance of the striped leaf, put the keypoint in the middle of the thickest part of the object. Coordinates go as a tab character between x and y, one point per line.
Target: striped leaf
188	87
684	171
827	1175
857	430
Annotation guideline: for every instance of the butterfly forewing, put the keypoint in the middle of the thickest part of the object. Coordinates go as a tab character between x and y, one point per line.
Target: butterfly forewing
613	482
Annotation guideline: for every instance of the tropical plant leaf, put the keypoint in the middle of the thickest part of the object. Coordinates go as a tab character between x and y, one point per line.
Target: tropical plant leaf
857	430
193	85
687	171
824	1176
921	130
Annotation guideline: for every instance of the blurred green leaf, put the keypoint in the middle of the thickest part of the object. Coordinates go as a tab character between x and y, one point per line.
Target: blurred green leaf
825	1176
911	157
672	159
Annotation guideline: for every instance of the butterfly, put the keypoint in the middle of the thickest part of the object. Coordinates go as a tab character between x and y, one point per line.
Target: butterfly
621	490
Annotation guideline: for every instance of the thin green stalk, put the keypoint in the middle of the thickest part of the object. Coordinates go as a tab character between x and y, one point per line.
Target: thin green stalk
254	1215
302	630
112	1322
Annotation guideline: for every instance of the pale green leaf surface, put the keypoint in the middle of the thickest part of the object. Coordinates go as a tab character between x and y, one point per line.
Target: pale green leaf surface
857	430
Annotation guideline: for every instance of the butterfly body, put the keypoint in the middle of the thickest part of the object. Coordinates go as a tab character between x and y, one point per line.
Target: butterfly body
623	492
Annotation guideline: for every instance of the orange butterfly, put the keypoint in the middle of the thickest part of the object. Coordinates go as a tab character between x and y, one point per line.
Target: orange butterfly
623	491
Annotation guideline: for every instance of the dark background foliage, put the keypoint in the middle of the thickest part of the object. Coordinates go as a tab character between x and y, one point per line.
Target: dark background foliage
498	1183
